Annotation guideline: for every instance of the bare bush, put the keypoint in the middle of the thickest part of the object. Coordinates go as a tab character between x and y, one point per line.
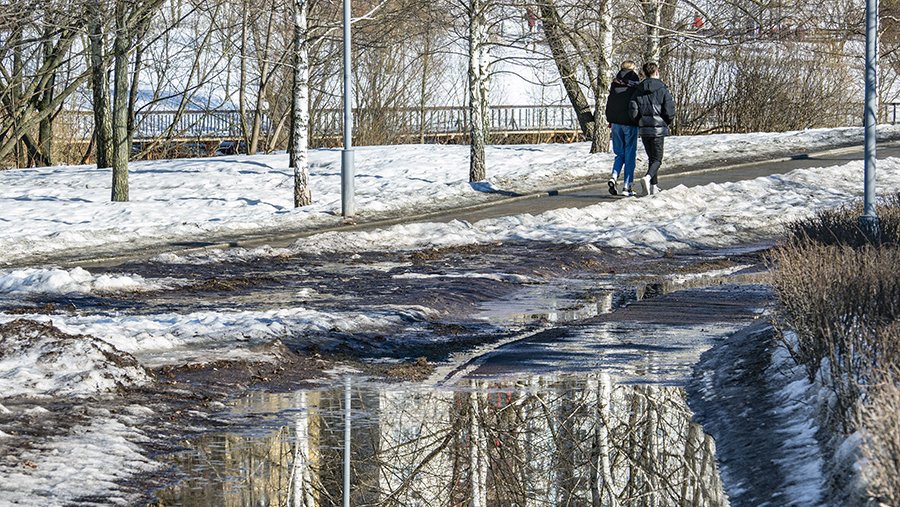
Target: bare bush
841	226
842	302
841	295
882	443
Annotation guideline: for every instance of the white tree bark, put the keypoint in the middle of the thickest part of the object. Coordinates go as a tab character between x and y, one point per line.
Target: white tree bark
479	107
600	141
652	19
477	453
300	107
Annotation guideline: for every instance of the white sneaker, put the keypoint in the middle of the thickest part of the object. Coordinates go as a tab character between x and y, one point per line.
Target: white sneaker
645	185
654	189
628	192
612	186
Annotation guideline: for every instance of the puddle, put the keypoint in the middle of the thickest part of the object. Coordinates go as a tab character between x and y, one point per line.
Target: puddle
537	440
557	302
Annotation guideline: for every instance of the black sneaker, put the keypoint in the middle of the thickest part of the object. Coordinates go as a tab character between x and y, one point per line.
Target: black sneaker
612	187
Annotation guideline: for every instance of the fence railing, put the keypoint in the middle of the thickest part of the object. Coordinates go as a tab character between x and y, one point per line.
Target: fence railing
226	124
890	111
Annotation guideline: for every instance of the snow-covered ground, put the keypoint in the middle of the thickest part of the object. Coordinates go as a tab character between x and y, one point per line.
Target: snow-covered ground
53	210
712	215
62	209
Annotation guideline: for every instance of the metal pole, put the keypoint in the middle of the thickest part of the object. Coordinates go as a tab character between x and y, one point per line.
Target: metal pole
347	205
347	442
869	220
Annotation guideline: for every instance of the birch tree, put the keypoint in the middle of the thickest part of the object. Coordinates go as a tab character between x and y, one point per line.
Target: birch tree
652	11
300	107
600	140
479	75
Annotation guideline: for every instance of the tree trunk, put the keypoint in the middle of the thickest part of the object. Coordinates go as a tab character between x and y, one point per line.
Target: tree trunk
300	108
600	141
242	85
100	88
478	89
17	95
264	75
652	10
44	155
121	147
553	31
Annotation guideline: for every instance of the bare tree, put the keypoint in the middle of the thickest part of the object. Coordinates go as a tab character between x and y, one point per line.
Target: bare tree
479	74
300	107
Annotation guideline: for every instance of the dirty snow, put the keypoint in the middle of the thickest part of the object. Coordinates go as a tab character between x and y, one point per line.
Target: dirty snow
201	336
87	462
38	360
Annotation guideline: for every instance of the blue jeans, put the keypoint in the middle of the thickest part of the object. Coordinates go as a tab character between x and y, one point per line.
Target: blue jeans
624	141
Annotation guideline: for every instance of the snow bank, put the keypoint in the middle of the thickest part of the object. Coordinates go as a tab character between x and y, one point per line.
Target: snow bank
58	209
201	336
73	281
712	215
800	402
37	359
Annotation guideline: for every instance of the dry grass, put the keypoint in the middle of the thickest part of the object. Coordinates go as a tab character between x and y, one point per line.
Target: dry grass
843	303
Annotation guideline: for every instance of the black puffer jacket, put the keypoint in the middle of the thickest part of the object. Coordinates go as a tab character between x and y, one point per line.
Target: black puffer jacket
620	92
652	107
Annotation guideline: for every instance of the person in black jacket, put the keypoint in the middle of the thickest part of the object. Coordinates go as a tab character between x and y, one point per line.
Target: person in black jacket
624	130
653	108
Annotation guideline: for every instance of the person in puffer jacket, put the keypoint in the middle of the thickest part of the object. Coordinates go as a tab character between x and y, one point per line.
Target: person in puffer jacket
623	130
653	108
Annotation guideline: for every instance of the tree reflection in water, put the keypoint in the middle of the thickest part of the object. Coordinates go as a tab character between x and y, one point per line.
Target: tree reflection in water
574	441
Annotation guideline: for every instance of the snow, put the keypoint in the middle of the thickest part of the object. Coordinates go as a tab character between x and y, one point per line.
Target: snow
62	209
73	281
86	462
800	402
713	215
171	338
38	360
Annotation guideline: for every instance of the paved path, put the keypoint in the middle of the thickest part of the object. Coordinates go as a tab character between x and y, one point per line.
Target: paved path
589	195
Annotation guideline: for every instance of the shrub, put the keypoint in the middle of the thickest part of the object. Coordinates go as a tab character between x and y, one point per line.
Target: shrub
841	226
881	446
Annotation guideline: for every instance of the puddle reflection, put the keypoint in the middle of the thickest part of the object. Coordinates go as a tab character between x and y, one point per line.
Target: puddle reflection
542	441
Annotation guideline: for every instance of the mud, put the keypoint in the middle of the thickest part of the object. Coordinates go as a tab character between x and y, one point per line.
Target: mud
500	327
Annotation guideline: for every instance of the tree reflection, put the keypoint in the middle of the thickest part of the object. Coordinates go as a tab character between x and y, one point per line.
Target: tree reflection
578	441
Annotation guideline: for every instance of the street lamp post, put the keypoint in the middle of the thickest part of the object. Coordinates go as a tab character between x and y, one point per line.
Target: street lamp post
869	219
347	170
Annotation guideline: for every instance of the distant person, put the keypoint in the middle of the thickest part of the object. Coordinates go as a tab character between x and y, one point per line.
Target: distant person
532	18
698	22
653	108
624	130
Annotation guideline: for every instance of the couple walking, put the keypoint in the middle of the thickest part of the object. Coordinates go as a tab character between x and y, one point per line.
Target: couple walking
633	108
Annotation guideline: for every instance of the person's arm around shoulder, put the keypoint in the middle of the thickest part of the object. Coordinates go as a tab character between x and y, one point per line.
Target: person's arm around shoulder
634	112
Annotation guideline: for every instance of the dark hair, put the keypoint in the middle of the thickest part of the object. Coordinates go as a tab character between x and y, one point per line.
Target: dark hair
650	68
